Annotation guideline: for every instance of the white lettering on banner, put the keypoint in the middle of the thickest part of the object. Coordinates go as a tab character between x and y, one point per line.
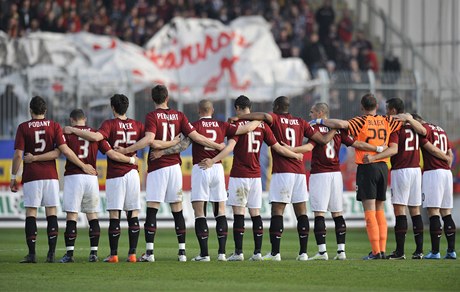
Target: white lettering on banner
12	208
193	57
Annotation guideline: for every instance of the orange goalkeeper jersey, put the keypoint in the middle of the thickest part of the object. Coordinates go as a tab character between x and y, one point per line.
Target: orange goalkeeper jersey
374	130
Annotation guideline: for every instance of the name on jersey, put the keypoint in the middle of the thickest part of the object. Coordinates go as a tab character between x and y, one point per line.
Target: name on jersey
212	124
241	123
376	122
436	128
127	126
169	117
36	124
289	121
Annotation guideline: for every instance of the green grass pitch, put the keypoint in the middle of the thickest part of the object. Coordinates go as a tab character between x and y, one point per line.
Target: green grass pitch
168	274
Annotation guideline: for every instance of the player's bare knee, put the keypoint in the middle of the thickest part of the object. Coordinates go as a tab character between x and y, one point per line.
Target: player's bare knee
72	216
31	212
91	216
414	210
176	207
400	210
334	214
254	212
300	209
155	205
445	212
278	209
50	211
433	212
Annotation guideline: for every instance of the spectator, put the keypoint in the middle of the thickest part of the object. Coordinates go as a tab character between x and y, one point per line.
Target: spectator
325	16
314	55
137	21
285	44
361	42
345	27
391	68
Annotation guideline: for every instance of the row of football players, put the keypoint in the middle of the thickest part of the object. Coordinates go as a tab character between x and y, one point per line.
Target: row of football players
164	178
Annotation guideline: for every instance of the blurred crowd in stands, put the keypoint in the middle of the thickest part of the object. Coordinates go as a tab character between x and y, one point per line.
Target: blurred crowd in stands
320	38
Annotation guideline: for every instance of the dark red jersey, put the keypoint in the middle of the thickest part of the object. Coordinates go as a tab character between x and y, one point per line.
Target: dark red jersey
325	158
85	150
123	133
166	124
408	141
39	136
247	150
438	137
290	130
213	130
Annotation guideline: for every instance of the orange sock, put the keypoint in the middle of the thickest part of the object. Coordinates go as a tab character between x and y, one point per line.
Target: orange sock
372	228
383	229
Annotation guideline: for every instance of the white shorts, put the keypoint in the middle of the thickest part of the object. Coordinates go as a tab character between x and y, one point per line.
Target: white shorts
164	185
406	186
39	193
326	192
209	184
81	193
123	193
437	189
288	188
245	192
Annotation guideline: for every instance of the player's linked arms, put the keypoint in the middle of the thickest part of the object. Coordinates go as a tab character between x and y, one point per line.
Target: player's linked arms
232	120
299	149
181	146
206	163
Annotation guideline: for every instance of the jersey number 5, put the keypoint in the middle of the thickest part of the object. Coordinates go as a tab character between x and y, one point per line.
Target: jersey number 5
40	141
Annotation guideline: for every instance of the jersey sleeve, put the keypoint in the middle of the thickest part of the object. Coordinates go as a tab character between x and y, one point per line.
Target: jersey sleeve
150	123
393	124
186	126
345	138
105	129
60	139
269	138
355	125
141	128
230	129
19	142
394	138
275	119
104	146
428	129
308	130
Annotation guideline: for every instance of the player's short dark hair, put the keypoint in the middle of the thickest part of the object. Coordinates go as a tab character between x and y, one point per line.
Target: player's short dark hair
77	114
120	103
397	104
159	94
243	102
369	102
417	117
281	103
38	105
